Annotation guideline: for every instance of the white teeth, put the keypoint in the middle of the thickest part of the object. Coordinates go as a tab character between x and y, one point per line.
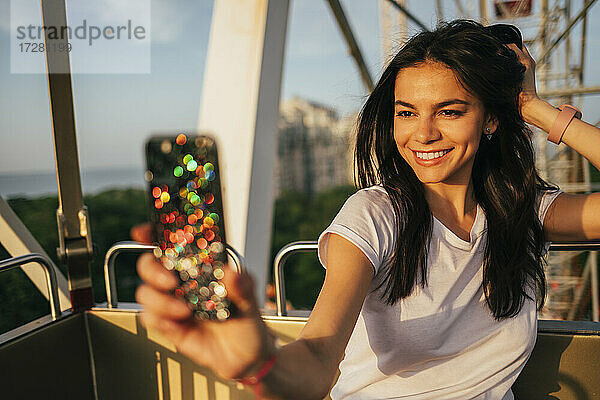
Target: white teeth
431	156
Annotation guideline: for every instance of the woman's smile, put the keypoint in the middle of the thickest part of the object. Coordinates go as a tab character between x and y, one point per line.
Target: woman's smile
429	158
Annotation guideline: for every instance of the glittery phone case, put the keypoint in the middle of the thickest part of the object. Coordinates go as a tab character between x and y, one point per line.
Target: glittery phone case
187	219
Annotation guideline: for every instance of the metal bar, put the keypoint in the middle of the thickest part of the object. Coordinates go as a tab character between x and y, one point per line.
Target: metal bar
483	12
593	257
304	246
590	274
594	284
582	50
385	25
73	223
344	26
402	26
575	246
543	38
238	259
110	282
580	290
278	264
562	35
569	91
439	11
567	12
408	15
51	282
18	241
520	7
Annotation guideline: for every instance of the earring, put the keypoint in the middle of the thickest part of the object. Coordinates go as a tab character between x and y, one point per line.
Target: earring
488	134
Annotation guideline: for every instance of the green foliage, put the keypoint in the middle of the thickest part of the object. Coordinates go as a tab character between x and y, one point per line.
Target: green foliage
112	215
20	300
299	217
39	216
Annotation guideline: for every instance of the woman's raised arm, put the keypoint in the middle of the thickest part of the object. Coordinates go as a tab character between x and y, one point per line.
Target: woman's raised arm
571	216
579	135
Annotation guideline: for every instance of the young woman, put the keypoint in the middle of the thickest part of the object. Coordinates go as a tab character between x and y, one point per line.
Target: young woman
434	267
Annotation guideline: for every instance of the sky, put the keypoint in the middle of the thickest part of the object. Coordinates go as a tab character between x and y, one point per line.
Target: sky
115	113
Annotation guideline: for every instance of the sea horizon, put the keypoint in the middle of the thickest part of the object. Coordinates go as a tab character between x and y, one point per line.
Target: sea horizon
93	181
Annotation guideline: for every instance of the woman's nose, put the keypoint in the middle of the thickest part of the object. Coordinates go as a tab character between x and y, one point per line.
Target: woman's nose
427	131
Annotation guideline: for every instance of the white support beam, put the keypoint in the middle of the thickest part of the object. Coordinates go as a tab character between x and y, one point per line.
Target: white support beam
18	241
240	106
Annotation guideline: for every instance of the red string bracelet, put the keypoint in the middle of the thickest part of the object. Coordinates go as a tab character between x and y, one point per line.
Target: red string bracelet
254	380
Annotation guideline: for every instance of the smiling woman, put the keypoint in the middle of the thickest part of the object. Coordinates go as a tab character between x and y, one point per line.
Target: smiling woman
435	266
449	89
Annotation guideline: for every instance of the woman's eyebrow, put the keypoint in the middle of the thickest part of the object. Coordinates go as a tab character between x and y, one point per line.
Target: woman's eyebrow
438	105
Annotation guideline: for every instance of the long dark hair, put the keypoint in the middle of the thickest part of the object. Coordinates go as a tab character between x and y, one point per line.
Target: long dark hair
505	180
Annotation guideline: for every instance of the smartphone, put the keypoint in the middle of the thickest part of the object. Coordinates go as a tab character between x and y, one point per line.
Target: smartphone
186	213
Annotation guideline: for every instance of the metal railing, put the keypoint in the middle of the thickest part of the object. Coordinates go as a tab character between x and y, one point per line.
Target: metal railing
135	247
306	246
51	282
279	262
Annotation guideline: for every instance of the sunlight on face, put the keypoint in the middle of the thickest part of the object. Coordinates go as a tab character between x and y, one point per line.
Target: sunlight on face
437	124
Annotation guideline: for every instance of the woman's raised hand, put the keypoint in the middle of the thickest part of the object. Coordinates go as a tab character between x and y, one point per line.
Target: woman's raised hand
528	93
233	348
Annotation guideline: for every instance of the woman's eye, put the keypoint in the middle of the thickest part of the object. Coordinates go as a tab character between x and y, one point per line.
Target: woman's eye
403	114
452	113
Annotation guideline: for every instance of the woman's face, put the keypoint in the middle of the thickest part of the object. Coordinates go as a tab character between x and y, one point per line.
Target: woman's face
437	124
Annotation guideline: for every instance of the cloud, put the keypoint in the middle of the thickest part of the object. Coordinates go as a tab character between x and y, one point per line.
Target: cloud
167	22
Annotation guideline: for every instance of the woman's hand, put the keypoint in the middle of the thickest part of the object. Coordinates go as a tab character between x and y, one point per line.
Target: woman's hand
528	92
234	348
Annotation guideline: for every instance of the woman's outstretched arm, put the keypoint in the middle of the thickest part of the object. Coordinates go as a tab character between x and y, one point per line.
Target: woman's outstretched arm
326	334
571	216
305	368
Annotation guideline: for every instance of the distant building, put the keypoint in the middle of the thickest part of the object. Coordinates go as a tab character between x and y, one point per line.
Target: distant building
314	148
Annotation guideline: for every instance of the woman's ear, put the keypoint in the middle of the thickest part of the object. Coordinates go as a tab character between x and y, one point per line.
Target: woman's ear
491	123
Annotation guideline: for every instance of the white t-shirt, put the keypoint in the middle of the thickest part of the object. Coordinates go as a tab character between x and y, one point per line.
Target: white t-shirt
442	341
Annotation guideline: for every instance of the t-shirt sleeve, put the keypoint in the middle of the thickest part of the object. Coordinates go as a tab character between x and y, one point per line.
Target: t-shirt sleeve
545	199
367	220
